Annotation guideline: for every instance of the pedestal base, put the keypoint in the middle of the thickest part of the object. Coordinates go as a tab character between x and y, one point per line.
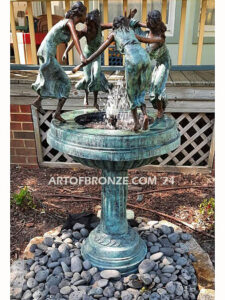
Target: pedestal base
119	252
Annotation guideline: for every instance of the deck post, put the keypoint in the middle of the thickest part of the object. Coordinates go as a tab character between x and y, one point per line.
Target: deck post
164	10
182	28
32	33
49	14
201	32
106	20
14	36
70	54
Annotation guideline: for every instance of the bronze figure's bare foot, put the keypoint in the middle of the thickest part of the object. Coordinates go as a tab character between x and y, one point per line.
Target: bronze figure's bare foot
150	120
160	114
160	109
145	123
37	104
137	127
59	118
86	98
96	106
85	101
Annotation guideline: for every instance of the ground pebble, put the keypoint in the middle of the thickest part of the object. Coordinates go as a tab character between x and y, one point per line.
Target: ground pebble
119	286
170	287
27	295
182	261
174	237
76	295
65	290
77	235
95	291
146	266
78	226
108	274
31	283
156	256
48	241
186	236
42	275
155	296
165	229
84	232
168	251
179	288
33	247
168	269
125	295
87	265
102	283
93	271
152	237
76	264
66	235
154	249
54	290
54	254
146	278
109	291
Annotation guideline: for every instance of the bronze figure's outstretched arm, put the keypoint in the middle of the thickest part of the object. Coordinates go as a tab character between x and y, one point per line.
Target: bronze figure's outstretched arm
106	43
80	34
142	25
150	40
106	26
76	41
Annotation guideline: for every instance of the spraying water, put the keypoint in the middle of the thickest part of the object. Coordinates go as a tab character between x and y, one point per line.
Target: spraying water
117	107
117	110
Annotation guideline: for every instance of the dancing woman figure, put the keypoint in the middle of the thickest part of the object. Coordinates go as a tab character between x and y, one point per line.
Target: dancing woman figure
137	65
52	81
160	53
94	80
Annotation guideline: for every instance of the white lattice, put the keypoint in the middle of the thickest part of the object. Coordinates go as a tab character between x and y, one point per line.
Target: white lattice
196	131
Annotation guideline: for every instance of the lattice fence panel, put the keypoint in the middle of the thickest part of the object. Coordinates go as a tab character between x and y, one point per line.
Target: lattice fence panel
196	131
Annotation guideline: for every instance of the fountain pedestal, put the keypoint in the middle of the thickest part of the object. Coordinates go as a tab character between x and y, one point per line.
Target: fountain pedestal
113	244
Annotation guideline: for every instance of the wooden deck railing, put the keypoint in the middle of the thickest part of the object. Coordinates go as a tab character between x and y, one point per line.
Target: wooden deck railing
105	18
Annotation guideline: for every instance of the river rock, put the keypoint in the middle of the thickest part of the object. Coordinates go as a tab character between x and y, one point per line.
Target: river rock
76	264
65	290
31	283
170	287
156	256
42	275
78	226
174	237
109	274
146	266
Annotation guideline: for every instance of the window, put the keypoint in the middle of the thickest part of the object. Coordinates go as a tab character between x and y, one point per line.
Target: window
210	19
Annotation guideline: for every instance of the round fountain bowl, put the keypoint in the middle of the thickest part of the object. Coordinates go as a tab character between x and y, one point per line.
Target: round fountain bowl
112	244
111	149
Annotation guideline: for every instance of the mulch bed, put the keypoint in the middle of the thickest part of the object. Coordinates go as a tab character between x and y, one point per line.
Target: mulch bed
52	210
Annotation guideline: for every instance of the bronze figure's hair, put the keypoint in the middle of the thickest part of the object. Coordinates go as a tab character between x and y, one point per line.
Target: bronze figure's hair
77	9
155	23
94	16
121	22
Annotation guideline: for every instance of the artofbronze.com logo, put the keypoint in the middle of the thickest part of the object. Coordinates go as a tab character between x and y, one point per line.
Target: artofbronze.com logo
148	180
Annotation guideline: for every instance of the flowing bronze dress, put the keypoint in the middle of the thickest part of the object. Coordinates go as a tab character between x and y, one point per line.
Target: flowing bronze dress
137	66
94	80
52	81
157	90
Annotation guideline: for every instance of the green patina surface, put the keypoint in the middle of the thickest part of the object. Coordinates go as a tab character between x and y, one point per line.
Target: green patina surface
113	244
52	81
94	79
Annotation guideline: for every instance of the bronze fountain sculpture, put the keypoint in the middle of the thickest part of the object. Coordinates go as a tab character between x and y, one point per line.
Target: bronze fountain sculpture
113	244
